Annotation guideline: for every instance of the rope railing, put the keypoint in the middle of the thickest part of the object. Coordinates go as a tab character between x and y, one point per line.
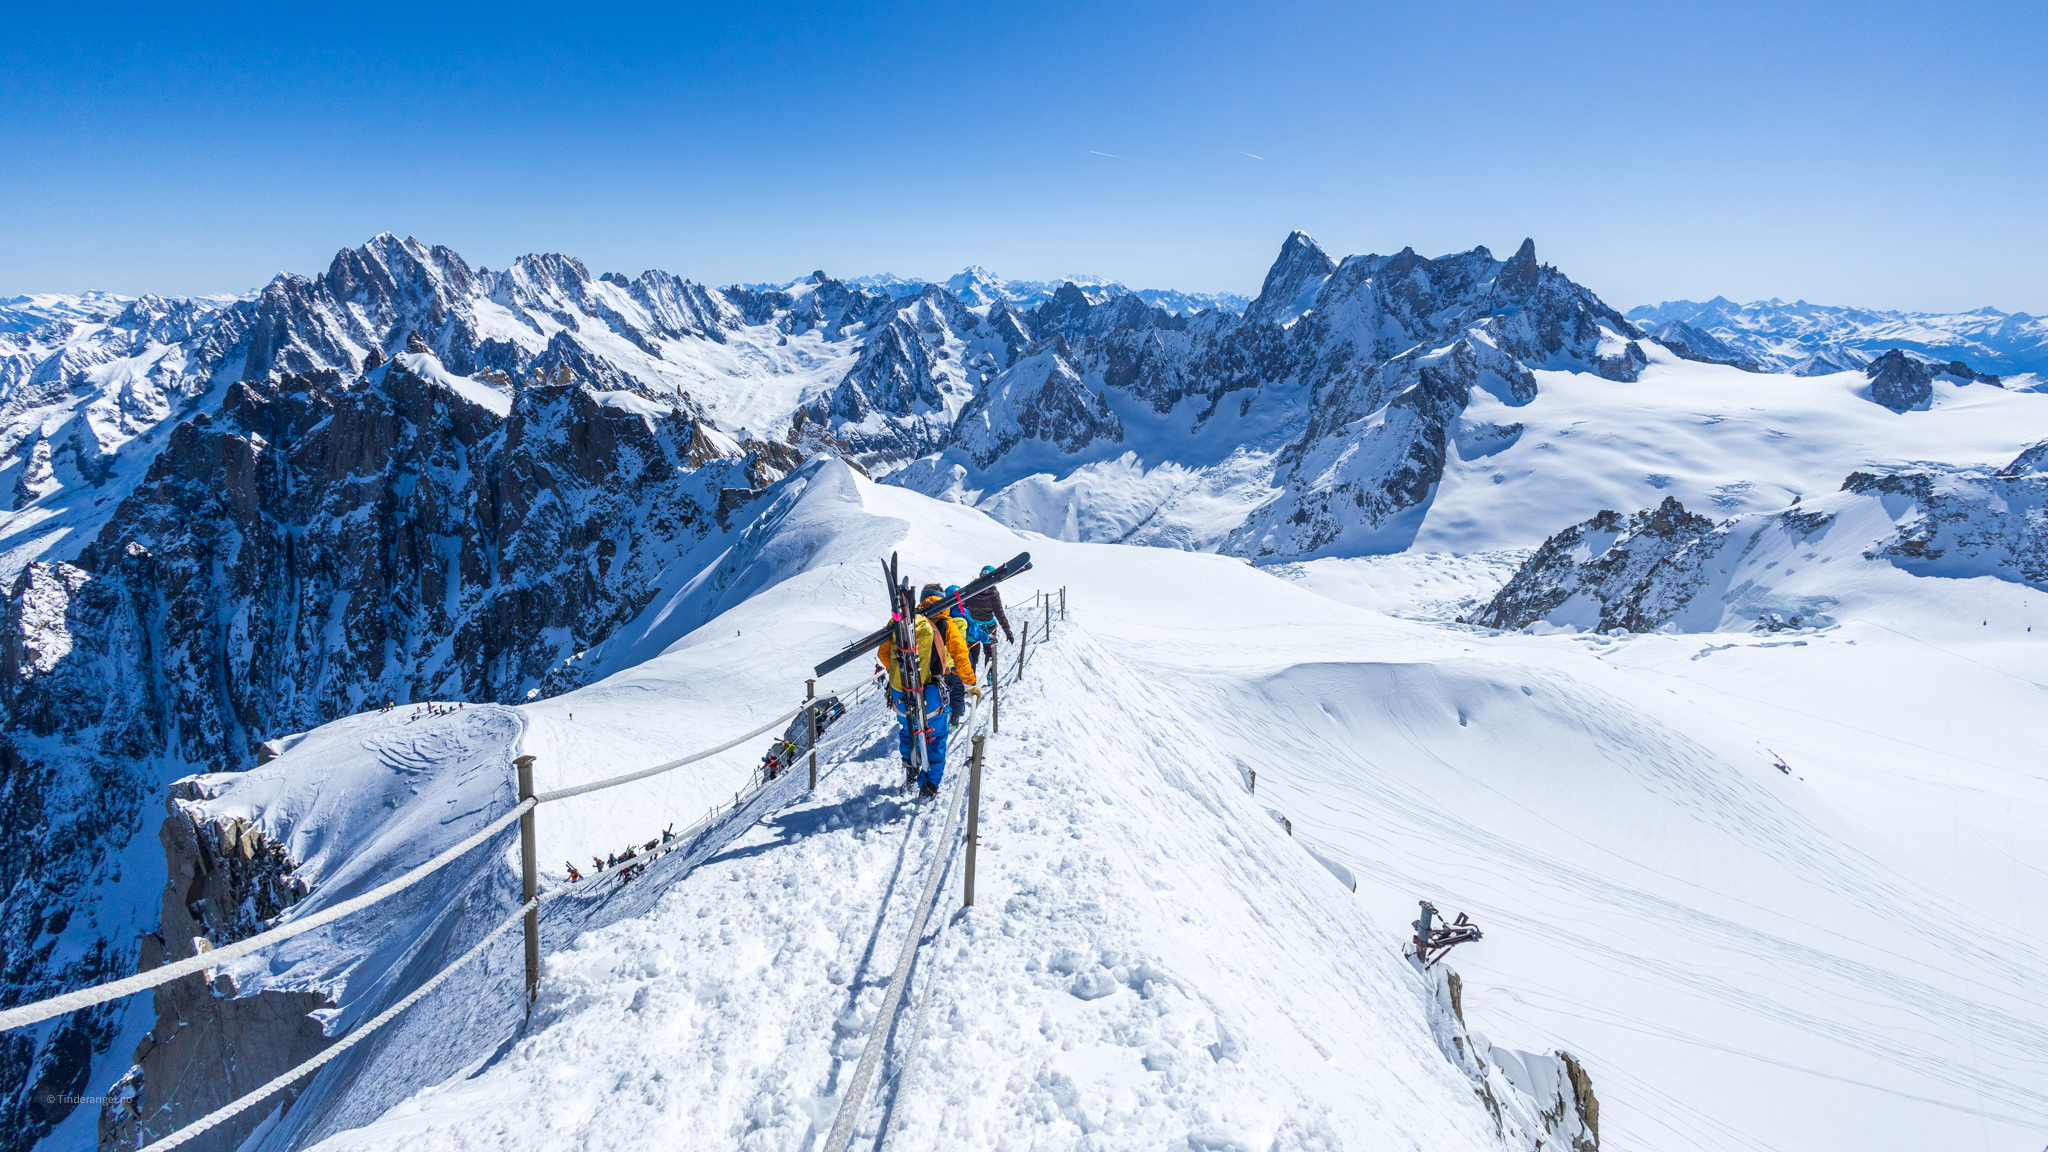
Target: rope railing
285	1080
851	1104
278	1084
658	769
24	1015
127	986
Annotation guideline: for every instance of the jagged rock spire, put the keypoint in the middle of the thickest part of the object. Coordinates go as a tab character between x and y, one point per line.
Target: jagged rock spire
1301	266
1518	276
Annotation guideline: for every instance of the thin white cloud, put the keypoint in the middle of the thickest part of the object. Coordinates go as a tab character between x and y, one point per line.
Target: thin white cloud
1249	154
1111	155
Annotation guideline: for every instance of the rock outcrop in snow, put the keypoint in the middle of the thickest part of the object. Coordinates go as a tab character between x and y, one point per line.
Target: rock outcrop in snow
1539	1101
1667	567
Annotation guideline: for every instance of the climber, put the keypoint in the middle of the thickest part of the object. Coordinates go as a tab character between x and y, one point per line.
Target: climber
961	675
611	860
596	865
574	875
929	666
984	612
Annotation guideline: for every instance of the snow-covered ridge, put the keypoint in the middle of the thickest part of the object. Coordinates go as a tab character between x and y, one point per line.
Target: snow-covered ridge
975	285
1134	972
1708	870
1810	339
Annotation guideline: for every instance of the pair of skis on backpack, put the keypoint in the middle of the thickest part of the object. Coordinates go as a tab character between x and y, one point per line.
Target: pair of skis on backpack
902	629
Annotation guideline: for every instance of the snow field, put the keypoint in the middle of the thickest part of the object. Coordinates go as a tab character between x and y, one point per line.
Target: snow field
1722	440
1117	985
1743	956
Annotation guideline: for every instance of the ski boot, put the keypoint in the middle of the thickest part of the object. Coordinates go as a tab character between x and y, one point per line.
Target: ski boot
926	790
909	776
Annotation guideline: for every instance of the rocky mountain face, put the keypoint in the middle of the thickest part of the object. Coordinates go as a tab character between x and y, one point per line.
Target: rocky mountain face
313	546
1335	395
1815	339
1904	383
1667	568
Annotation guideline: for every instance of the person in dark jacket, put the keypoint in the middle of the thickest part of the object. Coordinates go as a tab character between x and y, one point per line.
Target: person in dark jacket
984	612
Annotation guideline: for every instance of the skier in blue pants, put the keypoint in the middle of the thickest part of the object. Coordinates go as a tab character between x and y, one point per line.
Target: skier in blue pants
935	711
930	666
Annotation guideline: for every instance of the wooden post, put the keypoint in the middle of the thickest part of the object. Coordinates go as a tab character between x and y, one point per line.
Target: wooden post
1021	646
529	881
973	817
811	710
1255	778
1063	601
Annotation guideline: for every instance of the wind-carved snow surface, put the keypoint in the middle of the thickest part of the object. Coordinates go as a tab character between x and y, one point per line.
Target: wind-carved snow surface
1726	873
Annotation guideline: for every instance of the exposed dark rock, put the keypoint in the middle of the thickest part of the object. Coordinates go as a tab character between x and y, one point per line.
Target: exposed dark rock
1300	266
210	1045
1638	568
1899	382
315	546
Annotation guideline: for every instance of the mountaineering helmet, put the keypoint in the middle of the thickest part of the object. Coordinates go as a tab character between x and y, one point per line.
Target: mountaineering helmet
988	569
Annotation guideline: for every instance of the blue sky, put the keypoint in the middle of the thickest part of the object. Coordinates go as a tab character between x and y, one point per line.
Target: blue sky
1886	155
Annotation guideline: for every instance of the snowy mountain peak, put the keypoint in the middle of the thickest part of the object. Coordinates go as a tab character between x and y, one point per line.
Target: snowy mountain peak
1299	270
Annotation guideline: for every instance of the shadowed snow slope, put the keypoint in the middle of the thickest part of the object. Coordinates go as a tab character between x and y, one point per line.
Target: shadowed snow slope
1729	877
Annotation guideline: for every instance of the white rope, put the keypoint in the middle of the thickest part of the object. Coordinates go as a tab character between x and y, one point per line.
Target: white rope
229	1111
686	836
658	769
87	997
851	1104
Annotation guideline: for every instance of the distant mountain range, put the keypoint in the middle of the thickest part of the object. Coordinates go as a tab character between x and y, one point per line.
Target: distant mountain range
1815	339
975	286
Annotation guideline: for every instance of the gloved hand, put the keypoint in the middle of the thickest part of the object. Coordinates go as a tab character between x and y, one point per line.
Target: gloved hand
1009	637
974	694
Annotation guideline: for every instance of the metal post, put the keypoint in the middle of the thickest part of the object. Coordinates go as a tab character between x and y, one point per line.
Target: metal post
811	709
995	688
973	817
529	881
1255	778
1063	601
1021	646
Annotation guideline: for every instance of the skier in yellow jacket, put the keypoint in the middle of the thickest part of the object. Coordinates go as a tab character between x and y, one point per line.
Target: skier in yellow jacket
961	678
934	660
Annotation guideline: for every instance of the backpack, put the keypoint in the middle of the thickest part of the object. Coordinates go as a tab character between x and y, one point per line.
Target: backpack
979	631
